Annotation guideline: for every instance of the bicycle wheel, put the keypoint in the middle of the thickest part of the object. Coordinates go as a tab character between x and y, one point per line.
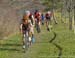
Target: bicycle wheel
38	28
26	42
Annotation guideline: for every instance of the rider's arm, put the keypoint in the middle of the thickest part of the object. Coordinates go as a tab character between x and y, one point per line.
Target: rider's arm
21	27
33	20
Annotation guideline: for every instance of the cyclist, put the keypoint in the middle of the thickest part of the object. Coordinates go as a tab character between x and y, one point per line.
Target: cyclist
48	19
25	28
42	17
37	16
31	17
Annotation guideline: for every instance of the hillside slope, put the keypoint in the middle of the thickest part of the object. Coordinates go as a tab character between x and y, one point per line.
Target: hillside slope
11	12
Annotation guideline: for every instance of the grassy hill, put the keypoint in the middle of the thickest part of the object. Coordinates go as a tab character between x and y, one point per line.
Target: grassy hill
58	43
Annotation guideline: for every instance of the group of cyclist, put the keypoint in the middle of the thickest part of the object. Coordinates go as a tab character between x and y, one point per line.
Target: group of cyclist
33	20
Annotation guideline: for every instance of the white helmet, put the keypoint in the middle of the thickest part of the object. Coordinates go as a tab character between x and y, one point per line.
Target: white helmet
49	12
27	12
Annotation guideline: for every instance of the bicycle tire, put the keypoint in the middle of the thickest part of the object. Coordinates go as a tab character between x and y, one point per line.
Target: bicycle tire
38	28
26	43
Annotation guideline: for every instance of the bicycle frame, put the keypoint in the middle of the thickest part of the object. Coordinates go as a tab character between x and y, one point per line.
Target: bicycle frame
26	40
38	27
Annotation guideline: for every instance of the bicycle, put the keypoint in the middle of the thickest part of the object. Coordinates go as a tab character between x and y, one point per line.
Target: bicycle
38	27
27	40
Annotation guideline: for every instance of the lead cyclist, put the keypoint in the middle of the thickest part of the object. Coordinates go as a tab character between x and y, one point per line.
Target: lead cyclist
27	29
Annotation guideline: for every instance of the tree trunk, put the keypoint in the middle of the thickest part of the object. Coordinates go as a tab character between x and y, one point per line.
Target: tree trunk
74	18
62	15
53	13
70	21
70	17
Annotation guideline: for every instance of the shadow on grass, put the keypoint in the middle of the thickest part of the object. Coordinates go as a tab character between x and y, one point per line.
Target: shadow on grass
9	47
55	44
10	44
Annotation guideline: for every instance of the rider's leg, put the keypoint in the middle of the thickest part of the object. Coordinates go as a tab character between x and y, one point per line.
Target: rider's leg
33	38
47	25
39	27
30	36
26	40
23	39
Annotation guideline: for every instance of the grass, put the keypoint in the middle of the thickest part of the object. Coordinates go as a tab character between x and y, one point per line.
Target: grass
42	48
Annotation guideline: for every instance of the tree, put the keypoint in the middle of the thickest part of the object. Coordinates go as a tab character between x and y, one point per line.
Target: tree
70	17
68	11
